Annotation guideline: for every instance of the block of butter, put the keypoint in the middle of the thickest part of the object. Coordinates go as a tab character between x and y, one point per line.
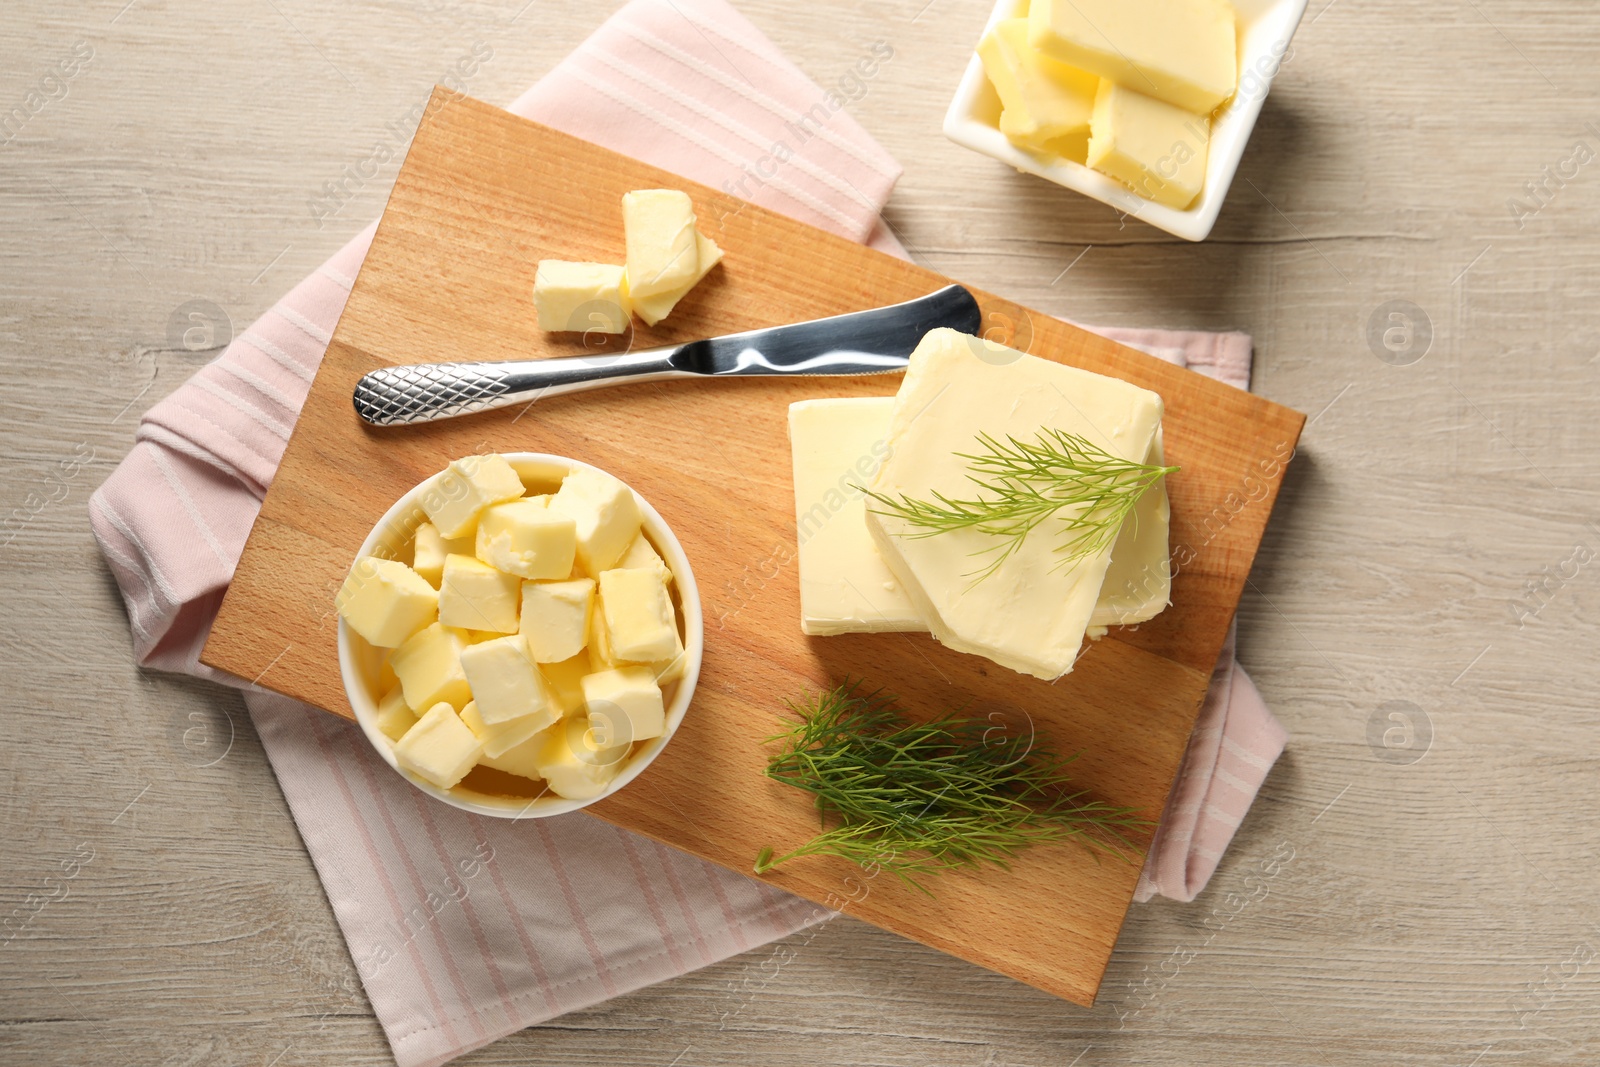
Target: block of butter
641	623
1046	103
1182	51
429	668
573	760
624	706
1158	150
455	497
1032	612
653	309
524	537
658	227
555	618
475	596
429	548
845	587
439	748
606	513
580	297
385	601
505	683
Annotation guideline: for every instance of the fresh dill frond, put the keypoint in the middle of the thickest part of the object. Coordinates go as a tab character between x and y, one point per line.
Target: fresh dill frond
1022	484
917	798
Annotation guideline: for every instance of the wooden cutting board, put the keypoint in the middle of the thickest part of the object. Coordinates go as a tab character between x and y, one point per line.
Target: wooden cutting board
483	196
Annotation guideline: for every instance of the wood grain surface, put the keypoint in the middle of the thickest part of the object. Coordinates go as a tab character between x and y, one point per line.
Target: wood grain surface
1431	905
482	197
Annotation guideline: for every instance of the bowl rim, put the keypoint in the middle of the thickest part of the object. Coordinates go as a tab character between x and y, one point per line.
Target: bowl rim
1279	19
364	704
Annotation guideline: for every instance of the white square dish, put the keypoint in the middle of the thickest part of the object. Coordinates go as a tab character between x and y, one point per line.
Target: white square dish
1265	30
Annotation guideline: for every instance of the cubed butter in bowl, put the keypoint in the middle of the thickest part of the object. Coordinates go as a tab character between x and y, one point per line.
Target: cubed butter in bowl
1144	105
520	653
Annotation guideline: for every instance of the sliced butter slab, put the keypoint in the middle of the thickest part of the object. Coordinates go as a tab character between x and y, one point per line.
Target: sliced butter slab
1046	103
1182	51
1157	150
653	309
1031	613
658	228
845	587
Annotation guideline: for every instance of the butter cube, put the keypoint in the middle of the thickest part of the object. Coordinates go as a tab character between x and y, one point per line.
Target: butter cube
642	554
1158	149
454	498
565	680
1044	99
475	596
385	601
440	748
395	716
429	548
505	683
580	297
519	759
653	309
500	737
429	668
607	516
1184	52
658	228
845	587
641	624
624	705
574	762
525	538
555	618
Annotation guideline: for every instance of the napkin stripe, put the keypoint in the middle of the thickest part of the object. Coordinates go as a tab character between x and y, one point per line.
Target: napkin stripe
575	911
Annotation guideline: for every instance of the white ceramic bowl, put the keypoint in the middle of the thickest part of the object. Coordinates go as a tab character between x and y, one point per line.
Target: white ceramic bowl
1265	28
360	663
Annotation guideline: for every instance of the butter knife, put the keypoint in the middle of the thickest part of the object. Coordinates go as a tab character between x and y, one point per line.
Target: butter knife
878	341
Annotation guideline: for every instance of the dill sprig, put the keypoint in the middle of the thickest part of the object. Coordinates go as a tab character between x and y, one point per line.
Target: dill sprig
917	798
1022	484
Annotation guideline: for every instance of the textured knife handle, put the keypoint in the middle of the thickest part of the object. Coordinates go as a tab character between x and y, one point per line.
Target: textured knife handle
395	396
398	395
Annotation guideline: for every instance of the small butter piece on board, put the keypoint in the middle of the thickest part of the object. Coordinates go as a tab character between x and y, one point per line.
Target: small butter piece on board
641	623
505	683
440	748
524	537
500	737
476	596
454	497
429	548
845	587
1154	148
555	618
652	309
624	706
1046	103
659	232
606	513
385	601
571	759
580	297
1184	52
1031	613
395	716
429	668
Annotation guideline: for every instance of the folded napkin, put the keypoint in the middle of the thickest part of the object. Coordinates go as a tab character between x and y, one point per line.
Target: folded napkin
465	929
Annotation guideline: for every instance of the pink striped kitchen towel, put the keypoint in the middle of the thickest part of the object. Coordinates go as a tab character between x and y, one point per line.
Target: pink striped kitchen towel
465	929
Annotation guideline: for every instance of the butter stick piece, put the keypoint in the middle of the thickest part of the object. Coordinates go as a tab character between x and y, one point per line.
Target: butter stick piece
1184	52
1047	103
659	232
580	297
1156	149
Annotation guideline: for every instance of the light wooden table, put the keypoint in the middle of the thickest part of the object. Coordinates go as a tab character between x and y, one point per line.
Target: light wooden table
1432	556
